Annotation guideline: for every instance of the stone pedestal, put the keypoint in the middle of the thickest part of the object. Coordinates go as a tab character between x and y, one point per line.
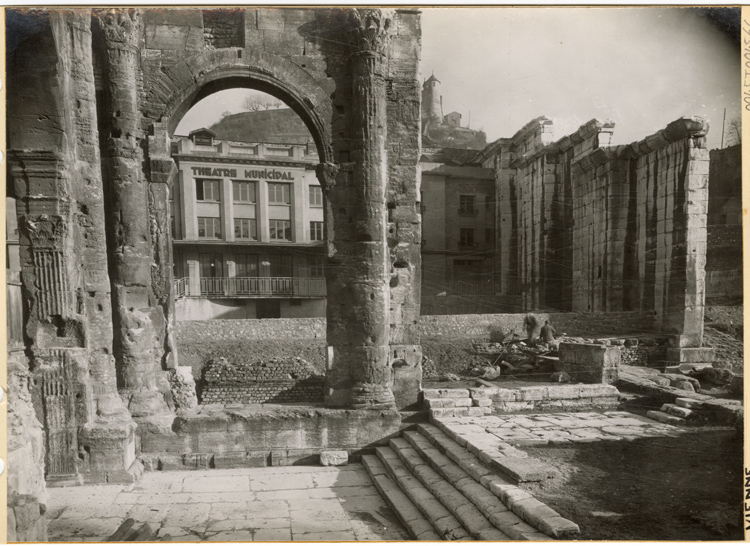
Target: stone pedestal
686	359
590	363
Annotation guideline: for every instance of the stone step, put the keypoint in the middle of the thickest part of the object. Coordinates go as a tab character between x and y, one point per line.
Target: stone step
686	368
446	525
547	522
689	403
451	498
411	518
665	417
501	456
676	410
512	496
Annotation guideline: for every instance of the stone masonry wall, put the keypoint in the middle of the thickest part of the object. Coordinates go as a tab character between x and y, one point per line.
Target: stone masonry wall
596	228
432	327
277	380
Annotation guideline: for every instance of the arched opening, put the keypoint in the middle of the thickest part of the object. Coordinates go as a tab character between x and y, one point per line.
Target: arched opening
247	224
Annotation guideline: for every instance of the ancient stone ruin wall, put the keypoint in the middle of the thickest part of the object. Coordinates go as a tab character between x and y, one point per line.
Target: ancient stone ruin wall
93	99
596	228
56	178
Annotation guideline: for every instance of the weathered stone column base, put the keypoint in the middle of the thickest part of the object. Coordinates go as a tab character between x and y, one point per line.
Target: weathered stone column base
107	453
372	396
146	403
687	359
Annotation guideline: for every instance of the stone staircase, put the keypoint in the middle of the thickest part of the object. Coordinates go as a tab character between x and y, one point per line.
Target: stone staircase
441	490
683	411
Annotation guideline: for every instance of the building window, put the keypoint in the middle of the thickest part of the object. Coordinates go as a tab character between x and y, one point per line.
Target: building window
246	265
211	265
281	230
316	196
466	238
243	192
209	228
488	236
317	266
280	265
207	190
245	228
278	194
466	205
316	231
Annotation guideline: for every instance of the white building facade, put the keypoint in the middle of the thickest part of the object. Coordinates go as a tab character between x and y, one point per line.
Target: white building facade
247	225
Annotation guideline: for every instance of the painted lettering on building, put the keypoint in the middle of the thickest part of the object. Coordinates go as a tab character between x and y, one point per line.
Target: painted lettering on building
265	174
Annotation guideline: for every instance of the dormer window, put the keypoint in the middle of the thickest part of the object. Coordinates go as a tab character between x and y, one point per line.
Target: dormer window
203	137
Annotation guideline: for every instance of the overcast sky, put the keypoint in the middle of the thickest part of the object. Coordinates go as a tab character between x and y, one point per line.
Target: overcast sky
639	67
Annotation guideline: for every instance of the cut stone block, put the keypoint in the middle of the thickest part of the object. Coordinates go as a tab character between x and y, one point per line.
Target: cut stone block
334	458
688	403
678	411
691	355
590	363
523	469
665	417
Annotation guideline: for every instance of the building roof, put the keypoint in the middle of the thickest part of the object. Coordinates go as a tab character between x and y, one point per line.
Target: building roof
450	156
431	78
202	130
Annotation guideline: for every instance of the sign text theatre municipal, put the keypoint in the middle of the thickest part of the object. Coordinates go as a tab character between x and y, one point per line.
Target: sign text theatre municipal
266	174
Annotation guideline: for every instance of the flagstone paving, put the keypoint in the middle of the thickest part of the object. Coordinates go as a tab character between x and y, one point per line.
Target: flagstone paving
304	503
502	432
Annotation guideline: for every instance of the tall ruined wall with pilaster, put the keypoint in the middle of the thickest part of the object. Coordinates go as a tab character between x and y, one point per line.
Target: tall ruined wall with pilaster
53	151
591	228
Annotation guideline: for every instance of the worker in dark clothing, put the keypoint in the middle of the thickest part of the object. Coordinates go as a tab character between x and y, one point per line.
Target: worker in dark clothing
548	333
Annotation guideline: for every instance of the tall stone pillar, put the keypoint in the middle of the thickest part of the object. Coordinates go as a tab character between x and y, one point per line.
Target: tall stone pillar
139	320
359	373
55	168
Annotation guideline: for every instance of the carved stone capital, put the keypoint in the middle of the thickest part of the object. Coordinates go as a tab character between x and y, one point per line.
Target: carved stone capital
44	231
119	25
326	173
371	28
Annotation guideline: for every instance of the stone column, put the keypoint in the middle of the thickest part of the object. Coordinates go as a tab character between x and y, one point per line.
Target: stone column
359	373
139	319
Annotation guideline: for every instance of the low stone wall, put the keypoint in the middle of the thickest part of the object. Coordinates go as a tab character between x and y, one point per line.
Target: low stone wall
207	437
251	329
431	326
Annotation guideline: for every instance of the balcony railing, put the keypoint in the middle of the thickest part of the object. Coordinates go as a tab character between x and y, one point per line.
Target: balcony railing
180	288
467	212
225	287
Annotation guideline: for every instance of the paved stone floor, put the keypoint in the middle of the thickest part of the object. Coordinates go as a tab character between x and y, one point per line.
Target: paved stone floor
495	431
305	503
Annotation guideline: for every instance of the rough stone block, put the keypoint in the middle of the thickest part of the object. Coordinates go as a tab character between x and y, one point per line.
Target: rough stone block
446	393
691	355
665	418
334	458
590	363
433	403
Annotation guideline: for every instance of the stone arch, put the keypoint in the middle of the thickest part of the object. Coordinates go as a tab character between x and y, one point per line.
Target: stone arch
202	75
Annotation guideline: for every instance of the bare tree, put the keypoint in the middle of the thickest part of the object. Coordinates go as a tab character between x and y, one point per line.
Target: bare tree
253	103
733	132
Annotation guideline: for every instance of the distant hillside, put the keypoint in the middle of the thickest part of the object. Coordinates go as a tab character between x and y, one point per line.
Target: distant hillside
282	126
